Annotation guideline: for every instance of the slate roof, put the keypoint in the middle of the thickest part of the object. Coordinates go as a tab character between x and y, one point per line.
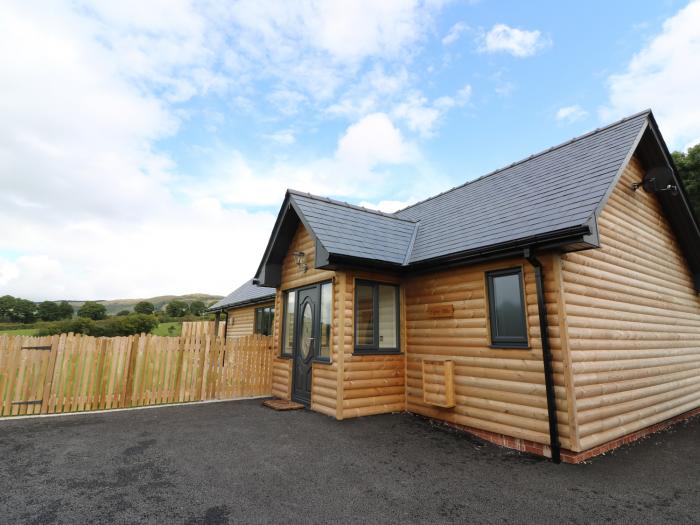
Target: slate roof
551	191
248	293
345	229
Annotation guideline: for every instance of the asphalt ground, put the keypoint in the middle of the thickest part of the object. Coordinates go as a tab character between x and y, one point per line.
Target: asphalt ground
238	462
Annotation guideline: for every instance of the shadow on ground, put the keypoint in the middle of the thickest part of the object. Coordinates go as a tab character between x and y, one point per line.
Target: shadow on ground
237	462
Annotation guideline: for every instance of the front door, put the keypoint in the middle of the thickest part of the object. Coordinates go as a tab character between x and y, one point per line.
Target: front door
306	342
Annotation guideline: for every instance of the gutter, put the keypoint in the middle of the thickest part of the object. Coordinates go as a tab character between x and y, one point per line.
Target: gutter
529	254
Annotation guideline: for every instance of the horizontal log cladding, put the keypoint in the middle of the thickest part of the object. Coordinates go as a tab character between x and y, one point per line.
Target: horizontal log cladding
497	390
372	384
241	321
633	320
282	378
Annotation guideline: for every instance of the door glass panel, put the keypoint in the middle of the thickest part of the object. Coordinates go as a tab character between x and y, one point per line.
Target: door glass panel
365	312
326	296
289	323
387	316
307	323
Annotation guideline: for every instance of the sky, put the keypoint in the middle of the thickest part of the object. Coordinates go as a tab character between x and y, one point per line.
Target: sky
145	147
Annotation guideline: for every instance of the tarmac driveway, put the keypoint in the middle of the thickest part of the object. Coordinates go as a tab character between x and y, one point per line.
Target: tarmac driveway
237	462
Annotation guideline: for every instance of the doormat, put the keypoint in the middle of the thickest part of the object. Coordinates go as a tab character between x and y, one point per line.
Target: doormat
282	404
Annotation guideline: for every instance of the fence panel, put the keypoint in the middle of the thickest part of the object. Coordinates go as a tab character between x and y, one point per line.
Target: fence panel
202	328
75	373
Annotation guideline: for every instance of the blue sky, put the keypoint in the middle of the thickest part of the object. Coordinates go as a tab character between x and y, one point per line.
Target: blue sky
139	142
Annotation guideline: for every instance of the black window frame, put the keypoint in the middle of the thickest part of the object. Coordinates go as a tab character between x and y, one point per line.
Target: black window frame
319	358
506	341
264	315
374	347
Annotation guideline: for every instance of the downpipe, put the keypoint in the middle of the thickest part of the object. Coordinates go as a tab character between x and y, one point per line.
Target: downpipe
529	254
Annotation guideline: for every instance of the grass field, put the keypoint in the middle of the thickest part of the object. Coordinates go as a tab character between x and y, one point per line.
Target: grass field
21	331
171	329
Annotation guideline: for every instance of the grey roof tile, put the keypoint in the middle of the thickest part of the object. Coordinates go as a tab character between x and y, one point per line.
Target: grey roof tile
553	190
246	293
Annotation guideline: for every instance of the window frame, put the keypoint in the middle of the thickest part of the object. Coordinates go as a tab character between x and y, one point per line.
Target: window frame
506	341
374	348
260	313
319	358
284	352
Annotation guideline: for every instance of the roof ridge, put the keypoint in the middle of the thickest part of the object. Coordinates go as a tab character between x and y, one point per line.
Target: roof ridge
348	205
534	155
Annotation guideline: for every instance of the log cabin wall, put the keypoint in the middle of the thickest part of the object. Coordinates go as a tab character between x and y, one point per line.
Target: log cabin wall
633	320
241	321
372	384
496	390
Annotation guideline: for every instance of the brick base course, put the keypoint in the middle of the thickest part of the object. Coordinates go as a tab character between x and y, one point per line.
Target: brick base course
569	456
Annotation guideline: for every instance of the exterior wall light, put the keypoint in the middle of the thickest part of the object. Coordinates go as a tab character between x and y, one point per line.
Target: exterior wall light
300	261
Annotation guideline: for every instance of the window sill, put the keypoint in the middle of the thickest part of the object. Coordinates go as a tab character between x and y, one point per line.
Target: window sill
322	361
376	352
285	356
509	346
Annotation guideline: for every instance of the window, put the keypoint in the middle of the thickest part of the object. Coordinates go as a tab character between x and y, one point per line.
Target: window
263	320
376	317
325	321
507	308
288	326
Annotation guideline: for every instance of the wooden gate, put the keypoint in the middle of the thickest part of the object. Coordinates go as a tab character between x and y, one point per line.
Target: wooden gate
25	364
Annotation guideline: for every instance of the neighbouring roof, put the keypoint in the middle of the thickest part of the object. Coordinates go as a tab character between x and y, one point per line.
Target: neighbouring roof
549	199
248	293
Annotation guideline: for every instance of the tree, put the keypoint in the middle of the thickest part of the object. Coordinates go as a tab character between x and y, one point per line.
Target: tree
197	308
688	165
7	302
144	307
48	311
23	311
65	310
122	313
177	309
92	310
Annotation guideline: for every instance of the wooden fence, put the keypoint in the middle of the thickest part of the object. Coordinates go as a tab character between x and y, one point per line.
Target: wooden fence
73	373
201	328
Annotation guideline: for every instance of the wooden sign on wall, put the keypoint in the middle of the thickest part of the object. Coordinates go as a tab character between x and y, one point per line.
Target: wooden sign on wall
441	310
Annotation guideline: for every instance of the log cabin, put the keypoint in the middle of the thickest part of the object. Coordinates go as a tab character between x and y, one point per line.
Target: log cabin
550	306
249	309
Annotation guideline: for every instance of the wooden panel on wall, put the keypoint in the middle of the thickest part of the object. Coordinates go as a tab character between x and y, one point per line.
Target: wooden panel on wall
498	390
633	320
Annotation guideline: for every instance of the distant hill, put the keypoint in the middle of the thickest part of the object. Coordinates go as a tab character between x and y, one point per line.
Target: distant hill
117	305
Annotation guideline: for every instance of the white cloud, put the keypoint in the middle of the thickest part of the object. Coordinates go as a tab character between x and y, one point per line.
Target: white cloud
422	116
664	75
454	33
283	136
357	169
387	206
571	113
89	200
518	42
